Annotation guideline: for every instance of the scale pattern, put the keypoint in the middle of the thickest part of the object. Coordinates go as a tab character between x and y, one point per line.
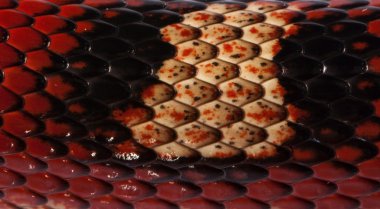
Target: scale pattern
189	104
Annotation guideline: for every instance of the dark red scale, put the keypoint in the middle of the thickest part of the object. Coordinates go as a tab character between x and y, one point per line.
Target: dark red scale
63	2
355	151
369	169
50	24
104	4
346	4
87	151
26	39
245	173
289	173
93	29
88	187
104	202
291	202
22	80
78	12
371	201
9	178
308	5
41	104
267	190
314	188
67	200
24	163
10	144
110	171
357	187
67	44
21	124
132	189
11	19
200	203
23	196
63	127
44	147
201	173
326	15
243	203
364	14
158	204
67	168
9	100
10	56
51	183
337	201
334	170
44	61
7	4
64	86
374	28
37	8
332	132
86	110
177	191
156	173
312	152
118	16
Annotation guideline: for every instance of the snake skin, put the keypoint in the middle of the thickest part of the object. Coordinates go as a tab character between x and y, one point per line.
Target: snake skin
189	104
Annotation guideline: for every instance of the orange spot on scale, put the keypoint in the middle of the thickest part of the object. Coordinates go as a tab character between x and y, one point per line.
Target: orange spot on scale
374	64
187	52
316	15
57	129
202	16
76	108
368	130
110	14
79	65
276	48
196	136
279	90
253	30
376	104
59	87
303	155
185	33
228	48
360	45
130	115
374	27
148	92
296	113
337	27
231	94
348	153
264	115
223	154
63	43
84	26
293	30
364	85
178	116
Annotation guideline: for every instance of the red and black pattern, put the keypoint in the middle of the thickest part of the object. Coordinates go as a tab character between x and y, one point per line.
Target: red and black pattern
189	104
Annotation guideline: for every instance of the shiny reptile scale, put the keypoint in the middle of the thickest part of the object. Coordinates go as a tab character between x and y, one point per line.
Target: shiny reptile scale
149	104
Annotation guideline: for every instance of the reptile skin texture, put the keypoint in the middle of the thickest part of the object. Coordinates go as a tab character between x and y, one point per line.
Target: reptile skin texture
151	104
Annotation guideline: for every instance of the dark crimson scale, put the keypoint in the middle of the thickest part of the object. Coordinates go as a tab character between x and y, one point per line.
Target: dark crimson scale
189	104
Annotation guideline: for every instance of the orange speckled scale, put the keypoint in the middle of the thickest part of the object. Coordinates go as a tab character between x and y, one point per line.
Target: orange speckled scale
241	104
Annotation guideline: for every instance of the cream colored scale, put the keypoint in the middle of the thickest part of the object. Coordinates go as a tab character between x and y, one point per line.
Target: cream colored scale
227	97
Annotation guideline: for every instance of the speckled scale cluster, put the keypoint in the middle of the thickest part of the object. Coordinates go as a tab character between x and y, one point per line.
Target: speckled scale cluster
87	84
